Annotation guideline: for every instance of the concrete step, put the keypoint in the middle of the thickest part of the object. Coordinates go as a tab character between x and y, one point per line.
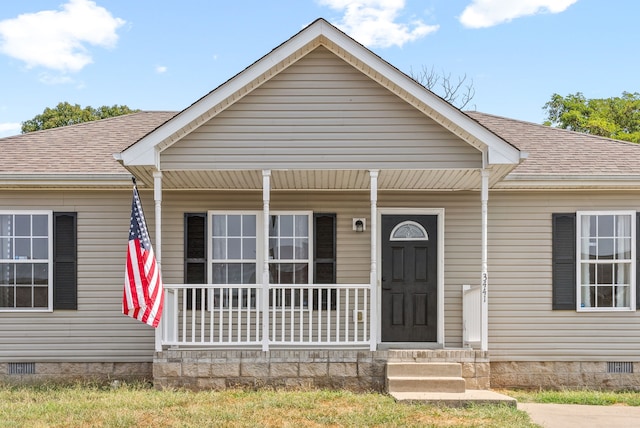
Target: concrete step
424	369
455	399
425	384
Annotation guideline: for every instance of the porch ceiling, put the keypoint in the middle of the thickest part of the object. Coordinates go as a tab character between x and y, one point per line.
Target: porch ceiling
441	180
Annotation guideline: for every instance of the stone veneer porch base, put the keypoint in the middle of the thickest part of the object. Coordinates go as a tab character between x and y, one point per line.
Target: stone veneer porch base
333	369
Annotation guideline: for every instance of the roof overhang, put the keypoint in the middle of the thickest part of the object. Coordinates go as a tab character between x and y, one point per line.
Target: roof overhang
146	152
67	181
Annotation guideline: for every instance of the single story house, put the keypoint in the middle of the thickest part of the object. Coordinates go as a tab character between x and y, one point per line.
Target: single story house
316	218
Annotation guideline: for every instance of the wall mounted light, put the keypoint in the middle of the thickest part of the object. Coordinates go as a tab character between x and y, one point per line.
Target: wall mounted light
359	224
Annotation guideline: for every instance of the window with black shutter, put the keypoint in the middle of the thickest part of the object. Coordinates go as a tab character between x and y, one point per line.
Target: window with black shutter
564	261
324	259
195	254
65	265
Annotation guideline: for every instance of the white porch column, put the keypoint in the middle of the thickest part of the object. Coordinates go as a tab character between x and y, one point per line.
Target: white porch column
157	197
484	302
266	196
373	277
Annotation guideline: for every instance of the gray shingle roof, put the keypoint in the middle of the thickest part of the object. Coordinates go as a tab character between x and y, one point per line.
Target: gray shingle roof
88	147
83	148
554	151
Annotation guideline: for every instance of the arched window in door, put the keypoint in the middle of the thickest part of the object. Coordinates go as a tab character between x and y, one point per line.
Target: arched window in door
409	231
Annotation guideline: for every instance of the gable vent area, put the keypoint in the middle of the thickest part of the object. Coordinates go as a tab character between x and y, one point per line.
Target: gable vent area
619	367
21	368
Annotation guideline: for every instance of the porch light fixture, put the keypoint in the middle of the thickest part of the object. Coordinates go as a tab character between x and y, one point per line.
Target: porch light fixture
359	224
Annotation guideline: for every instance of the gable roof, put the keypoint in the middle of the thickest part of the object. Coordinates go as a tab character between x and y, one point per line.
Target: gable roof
561	158
144	153
75	153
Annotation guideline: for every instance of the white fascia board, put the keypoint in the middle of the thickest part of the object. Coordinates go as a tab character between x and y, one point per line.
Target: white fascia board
143	152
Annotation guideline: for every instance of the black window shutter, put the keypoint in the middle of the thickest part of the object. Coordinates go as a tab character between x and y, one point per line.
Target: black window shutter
324	257
65	264
195	254
564	261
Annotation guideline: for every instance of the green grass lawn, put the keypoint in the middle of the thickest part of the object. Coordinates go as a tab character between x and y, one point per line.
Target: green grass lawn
142	406
597	398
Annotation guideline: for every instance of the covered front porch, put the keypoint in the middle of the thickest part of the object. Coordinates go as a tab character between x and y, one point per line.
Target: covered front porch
266	307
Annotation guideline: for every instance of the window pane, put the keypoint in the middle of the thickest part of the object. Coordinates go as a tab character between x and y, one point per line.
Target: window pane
623	249
23	225
40	297
302	225
40	248
605	249
286	225
6	248
301	273
219	248
623	226
301	248
219	225
40	225
234	225
605	225
23	248
23	297
219	273
605	297
234	248
249	225
248	273
6	225
249	248
41	274
24	273
623	297
7	273
622	273
6	297
605	274
286	248
274	254
234	273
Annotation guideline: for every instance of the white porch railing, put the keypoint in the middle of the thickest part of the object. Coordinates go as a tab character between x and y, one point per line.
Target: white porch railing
232	316
471	316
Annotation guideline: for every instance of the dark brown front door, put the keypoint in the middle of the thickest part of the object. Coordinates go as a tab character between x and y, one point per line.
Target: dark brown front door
409	278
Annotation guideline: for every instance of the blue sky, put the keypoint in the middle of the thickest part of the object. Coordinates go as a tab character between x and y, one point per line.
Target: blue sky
164	55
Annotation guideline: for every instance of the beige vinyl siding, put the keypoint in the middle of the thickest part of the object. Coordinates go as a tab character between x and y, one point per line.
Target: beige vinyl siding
97	331
522	325
320	113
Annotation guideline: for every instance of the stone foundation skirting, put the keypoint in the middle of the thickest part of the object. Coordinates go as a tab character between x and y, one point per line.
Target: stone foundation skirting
41	373
564	375
331	369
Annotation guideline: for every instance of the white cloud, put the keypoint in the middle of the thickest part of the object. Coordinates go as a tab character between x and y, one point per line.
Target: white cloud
374	23
9	128
487	13
161	69
58	40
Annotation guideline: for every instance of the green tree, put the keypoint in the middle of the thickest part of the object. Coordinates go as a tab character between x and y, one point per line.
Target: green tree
66	114
615	117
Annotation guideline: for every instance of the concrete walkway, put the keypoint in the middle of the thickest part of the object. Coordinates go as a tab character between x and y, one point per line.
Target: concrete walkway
579	416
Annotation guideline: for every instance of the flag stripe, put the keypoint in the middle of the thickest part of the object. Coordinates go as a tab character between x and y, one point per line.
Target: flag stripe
143	296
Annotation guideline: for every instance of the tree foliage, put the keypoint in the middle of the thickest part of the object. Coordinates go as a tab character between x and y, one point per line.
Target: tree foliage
615	117
66	114
458	91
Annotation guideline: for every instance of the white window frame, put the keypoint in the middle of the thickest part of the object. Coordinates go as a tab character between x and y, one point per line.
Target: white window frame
259	257
631	261
49	261
261	234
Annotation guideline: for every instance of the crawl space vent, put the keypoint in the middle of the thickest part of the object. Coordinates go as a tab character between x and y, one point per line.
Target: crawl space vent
619	367
22	368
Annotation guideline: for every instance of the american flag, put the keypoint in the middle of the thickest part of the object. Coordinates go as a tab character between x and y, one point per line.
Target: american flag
143	297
